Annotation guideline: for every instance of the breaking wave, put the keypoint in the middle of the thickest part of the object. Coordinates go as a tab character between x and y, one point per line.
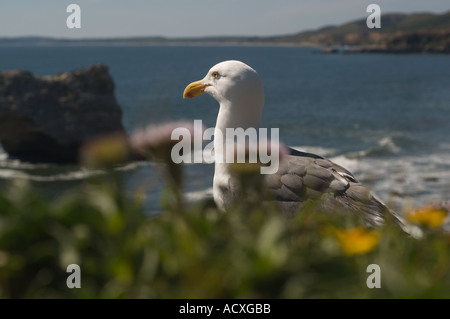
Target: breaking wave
390	145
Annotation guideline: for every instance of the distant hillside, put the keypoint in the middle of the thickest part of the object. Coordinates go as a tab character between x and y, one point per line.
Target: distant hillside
418	32
390	23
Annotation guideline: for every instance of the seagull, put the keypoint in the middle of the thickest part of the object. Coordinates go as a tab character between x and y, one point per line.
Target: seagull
301	177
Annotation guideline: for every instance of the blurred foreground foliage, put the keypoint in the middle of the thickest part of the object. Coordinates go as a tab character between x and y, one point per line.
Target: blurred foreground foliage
199	252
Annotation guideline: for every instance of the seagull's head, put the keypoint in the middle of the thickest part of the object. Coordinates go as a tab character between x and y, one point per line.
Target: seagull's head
232	83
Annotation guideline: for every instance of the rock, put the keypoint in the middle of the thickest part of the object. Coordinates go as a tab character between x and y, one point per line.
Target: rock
328	50
428	41
48	118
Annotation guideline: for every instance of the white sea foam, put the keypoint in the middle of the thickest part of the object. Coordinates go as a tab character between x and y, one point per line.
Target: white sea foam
406	180
202	194
68	176
12	169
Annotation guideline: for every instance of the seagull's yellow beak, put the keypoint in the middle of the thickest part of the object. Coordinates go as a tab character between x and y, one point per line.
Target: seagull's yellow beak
194	89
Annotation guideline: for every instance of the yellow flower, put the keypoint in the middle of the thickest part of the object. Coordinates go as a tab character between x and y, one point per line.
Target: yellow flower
155	140
357	241
429	215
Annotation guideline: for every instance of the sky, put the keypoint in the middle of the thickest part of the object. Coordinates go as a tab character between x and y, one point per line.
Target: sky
193	18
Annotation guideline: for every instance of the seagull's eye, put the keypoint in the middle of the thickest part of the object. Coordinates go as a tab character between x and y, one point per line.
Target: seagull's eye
215	74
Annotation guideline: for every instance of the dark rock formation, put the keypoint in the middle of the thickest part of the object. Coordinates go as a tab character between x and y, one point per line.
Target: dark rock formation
47	119
430	41
419	42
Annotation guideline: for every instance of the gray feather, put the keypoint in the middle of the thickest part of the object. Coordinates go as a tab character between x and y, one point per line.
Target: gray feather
293	181
306	177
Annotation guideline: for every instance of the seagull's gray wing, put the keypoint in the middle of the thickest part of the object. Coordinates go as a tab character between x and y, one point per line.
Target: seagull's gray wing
304	177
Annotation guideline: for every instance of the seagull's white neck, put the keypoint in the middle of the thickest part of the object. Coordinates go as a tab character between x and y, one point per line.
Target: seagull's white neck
231	115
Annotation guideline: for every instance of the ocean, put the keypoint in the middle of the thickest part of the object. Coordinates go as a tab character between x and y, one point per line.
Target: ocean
386	118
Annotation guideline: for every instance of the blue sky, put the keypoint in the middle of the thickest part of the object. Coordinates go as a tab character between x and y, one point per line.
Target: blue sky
178	18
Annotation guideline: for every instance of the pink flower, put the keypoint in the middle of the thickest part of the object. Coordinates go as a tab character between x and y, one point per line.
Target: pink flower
156	139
